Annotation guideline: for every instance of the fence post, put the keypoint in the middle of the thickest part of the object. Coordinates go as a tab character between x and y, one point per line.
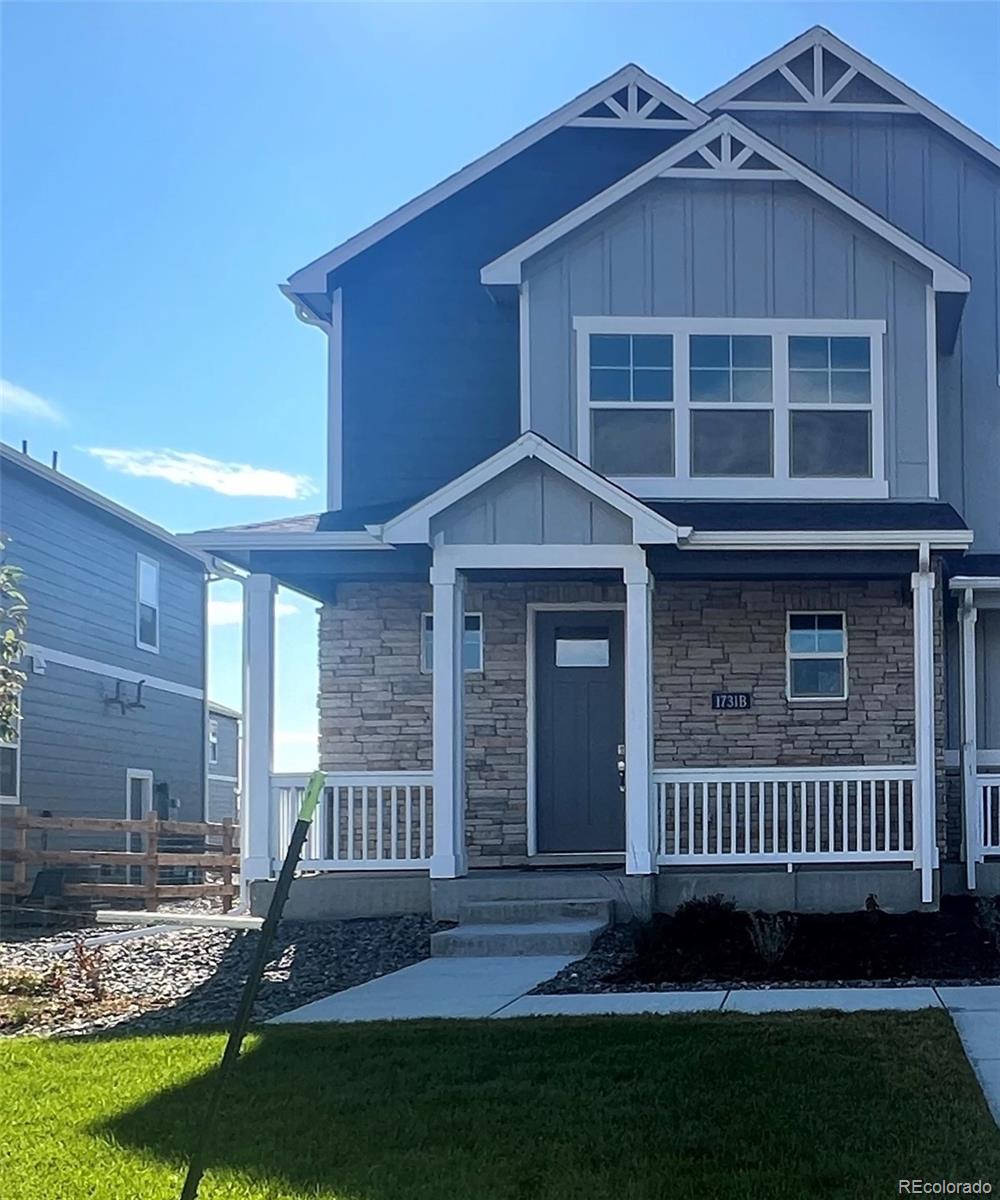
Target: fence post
20	874
227	870
152	868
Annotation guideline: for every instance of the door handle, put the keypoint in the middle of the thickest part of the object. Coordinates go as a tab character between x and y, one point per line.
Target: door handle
621	767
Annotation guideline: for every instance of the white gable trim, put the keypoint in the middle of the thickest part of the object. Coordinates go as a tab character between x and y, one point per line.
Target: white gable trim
818	38
414	525
507	269
312	278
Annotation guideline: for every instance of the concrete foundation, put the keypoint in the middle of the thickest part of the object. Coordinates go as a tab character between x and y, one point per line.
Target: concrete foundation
339	897
808	889
631	895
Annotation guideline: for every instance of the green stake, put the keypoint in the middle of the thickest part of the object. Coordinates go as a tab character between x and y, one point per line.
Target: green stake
196	1167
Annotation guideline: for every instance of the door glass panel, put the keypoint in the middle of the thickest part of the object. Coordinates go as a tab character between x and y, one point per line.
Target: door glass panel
582	652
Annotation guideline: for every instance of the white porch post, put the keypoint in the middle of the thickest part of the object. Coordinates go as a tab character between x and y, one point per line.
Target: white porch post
448	689
971	810
258	728
640	808
925	799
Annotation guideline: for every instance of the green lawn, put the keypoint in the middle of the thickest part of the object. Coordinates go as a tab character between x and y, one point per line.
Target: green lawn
706	1107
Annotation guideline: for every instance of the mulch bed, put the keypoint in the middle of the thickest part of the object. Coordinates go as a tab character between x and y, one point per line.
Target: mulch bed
189	977
708	945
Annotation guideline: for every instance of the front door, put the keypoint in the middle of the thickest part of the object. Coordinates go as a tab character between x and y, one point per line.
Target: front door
579	724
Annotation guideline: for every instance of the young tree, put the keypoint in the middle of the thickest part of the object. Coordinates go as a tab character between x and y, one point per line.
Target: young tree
13	621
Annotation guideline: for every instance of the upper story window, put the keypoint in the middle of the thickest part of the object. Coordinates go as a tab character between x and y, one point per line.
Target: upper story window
213	743
739	407
147	603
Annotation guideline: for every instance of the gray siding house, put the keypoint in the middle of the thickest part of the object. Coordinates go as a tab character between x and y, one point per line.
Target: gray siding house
113	717
662	543
223	787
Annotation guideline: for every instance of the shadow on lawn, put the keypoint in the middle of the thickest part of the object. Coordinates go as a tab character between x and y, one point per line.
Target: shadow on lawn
587	1108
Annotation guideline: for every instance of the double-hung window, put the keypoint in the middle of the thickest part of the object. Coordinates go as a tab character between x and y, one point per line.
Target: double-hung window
147	603
732	407
213	743
472	643
10	772
816	648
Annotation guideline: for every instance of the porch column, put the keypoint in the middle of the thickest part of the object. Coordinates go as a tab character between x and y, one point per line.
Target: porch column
925	797
258	728
971	812
640	807
448	689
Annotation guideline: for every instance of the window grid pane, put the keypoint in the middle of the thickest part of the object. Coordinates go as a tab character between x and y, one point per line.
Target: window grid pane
472	643
631	367
731	368
817	654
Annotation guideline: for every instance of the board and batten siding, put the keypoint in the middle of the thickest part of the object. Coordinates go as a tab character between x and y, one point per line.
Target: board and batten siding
731	249
946	196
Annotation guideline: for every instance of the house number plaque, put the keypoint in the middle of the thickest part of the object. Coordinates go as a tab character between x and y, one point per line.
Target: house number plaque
730	700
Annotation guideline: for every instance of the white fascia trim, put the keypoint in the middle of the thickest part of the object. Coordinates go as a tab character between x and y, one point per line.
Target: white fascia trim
109	671
508	268
825	539
347	539
335	406
26	463
312	277
834	327
818	36
979	583
413	525
223	710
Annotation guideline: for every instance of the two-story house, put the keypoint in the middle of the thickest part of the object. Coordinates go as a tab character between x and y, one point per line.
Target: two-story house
113	712
663	534
223	787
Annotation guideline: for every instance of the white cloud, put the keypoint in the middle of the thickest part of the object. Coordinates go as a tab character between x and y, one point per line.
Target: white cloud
196	470
230	612
19	402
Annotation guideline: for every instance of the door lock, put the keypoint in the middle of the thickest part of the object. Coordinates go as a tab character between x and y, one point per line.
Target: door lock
621	766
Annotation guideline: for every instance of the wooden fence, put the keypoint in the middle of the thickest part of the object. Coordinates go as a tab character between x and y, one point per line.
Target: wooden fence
222	857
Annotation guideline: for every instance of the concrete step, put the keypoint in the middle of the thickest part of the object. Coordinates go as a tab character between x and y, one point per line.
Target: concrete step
521	912
509	938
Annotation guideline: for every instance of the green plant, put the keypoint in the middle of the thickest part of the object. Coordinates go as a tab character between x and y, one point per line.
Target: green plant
13	623
19	982
988	919
772	934
19	1014
706	914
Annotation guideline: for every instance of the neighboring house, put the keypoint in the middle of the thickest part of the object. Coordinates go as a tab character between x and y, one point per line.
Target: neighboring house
113	718
222	795
663	530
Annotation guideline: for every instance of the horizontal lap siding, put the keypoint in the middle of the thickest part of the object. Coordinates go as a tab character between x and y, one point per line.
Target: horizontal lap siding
688	248
80	582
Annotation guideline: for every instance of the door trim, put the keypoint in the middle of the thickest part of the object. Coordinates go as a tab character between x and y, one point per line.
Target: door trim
132	773
531	610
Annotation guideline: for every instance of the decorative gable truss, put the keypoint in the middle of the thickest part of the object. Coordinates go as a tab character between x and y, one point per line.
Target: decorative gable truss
643	103
725	156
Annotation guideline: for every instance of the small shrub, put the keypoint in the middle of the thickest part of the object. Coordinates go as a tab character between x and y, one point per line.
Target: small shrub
88	964
709	918
988	919
19	1014
23	982
772	934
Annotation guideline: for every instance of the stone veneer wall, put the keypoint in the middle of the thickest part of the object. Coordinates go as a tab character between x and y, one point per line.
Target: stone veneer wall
375	705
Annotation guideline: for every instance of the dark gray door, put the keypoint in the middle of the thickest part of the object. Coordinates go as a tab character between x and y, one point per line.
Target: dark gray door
579	723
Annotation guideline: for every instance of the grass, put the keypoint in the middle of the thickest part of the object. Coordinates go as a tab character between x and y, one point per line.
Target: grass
718	1107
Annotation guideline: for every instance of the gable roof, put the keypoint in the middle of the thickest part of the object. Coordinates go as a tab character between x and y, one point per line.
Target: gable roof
726	149
630	98
56	479
817	71
414	524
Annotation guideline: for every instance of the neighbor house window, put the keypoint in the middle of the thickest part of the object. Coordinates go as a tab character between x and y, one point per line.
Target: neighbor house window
631	394
472	642
10	772
817	656
147	603
732	407
213	743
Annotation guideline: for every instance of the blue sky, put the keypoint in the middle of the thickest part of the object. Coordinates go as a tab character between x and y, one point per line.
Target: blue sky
166	165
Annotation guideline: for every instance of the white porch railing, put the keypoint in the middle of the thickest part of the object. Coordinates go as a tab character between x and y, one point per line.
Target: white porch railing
786	815
988	789
365	821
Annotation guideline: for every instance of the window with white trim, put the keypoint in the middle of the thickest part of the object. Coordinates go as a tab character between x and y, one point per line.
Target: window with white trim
10	772
213	742
472	643
147	603
816	650
732	407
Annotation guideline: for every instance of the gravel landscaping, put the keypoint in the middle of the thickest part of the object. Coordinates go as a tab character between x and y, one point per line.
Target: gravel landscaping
187	977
